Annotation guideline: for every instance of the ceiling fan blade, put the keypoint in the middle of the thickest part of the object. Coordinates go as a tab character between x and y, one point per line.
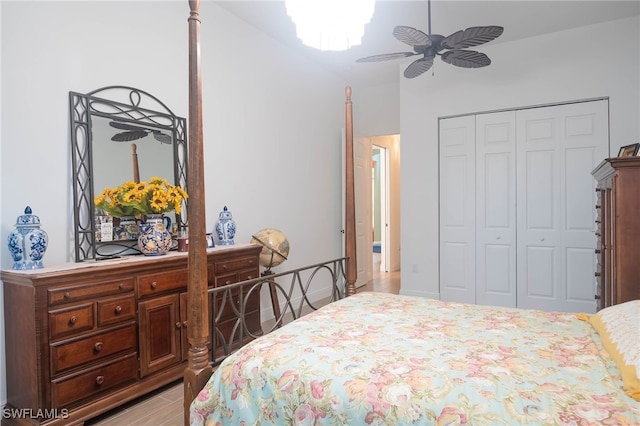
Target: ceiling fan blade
470	37
466	58
386	57
418	67
129	136
411	36
161	137
123	126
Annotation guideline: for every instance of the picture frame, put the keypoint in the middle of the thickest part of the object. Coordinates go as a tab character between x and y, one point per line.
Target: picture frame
210	242
629	150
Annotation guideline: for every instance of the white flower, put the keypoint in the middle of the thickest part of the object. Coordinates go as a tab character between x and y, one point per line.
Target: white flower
398	394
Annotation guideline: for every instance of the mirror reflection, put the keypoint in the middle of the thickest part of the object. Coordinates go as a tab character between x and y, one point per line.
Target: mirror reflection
137	154
120	134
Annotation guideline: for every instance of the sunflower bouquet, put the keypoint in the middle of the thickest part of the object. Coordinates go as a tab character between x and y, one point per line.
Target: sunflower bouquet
154	196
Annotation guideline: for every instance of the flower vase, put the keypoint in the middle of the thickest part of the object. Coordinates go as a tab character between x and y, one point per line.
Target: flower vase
155	239
27	243
225	227
127	229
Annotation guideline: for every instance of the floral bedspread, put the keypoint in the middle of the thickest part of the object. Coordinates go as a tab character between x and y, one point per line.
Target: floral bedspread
376	358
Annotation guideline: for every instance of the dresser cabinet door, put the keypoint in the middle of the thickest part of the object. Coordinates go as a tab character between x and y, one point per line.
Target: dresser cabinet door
160	333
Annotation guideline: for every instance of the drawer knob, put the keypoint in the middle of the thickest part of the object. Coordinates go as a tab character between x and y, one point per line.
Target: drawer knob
184	324
250	277
178	324
117	309
227	282
99	380
154	285
224	267
97	347
67	295
120	286
73	320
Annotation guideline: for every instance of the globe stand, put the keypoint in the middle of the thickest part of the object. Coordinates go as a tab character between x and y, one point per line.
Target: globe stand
275	305
275	251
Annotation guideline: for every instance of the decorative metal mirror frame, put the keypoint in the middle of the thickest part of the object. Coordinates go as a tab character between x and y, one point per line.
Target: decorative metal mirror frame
136	106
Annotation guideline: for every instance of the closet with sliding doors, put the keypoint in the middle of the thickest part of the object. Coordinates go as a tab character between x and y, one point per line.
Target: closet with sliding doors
517	205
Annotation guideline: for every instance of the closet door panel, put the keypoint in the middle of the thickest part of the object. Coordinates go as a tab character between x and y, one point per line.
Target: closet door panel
540	271
579	277
537	259
557	148
579	224
457	209
517	206
495	209
586	129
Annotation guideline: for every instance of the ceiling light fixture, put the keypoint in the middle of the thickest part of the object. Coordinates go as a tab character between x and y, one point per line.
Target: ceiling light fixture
330	24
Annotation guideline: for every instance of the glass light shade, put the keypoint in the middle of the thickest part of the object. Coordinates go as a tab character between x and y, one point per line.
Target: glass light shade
330	24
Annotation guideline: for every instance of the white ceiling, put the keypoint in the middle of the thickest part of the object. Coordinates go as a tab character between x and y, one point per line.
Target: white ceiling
520	18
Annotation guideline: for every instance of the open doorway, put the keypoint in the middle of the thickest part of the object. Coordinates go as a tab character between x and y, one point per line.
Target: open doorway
365	187
377	187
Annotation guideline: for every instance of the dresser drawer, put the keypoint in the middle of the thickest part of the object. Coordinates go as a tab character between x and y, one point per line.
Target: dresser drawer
93	348
67	390
247	275
227	279
150	285
233	265
252	304
65	322
114	310
61	295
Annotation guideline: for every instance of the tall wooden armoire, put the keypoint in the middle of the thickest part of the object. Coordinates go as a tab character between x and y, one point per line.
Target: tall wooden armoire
617	230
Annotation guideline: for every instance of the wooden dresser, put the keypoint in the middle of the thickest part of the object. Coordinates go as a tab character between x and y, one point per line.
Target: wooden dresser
84	338
617	231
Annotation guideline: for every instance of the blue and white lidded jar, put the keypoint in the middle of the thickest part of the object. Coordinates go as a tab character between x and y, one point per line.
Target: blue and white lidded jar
225	228
27	243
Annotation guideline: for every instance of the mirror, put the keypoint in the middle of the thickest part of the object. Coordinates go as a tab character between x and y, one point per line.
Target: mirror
120	134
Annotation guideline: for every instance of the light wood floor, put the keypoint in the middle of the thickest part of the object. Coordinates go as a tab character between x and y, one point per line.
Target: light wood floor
164	407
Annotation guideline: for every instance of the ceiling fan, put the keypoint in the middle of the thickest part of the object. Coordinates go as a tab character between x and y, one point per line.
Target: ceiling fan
430	45
135	132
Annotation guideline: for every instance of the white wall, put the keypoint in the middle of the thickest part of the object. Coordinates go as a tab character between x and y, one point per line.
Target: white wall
376	110
588	62
272	120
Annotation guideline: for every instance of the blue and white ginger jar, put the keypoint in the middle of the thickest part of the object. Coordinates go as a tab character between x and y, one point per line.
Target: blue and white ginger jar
28	243
225	228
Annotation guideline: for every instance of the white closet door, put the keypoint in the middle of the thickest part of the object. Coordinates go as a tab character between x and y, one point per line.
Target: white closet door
457	209
496	209
556	150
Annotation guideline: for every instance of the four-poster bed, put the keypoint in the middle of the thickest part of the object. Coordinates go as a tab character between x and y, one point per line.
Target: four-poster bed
199	368
374	358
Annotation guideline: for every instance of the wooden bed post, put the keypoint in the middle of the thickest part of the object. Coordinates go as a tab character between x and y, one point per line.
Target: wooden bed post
350	210
198	369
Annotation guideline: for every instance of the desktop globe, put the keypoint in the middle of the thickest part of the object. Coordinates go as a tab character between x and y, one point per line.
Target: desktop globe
275	247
